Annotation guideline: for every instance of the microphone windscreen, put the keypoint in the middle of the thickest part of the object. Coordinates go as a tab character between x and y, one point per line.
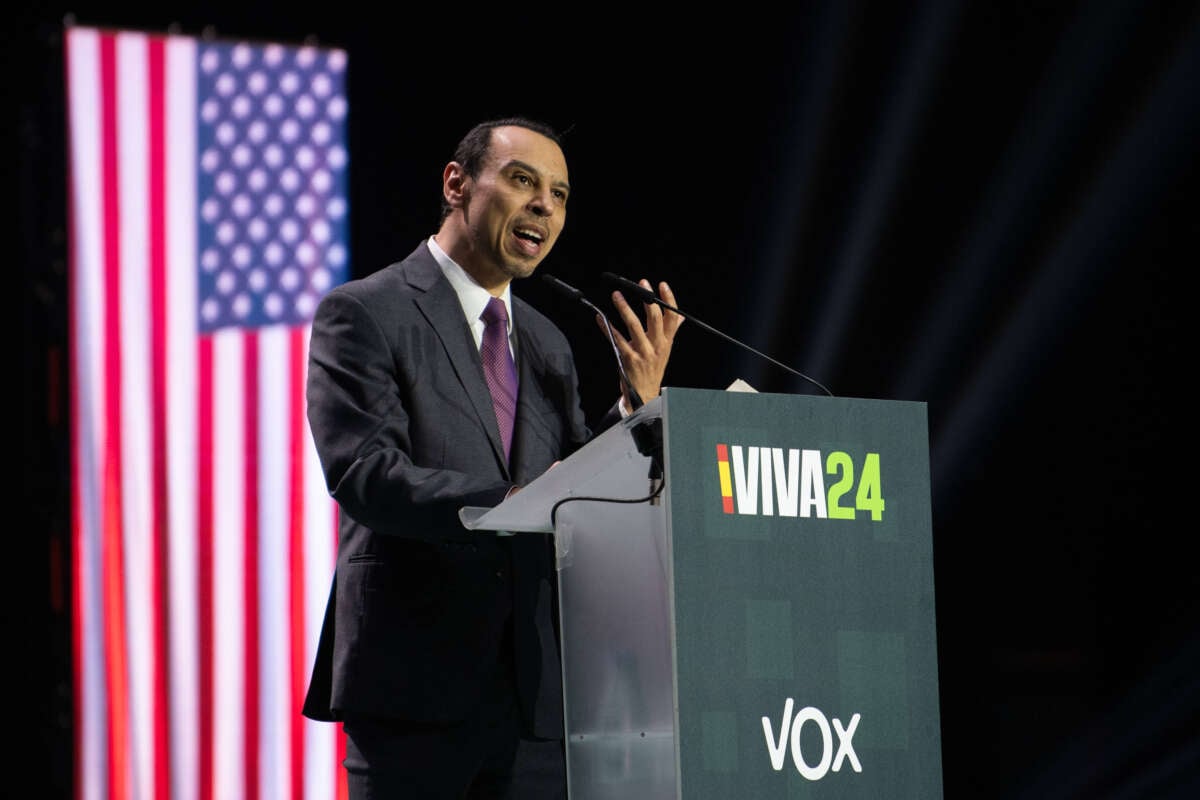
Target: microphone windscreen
644	294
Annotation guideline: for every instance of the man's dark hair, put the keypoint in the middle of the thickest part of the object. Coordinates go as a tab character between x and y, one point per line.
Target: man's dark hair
473	149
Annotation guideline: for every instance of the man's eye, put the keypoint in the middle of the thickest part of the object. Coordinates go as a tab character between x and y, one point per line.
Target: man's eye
522	179
560	195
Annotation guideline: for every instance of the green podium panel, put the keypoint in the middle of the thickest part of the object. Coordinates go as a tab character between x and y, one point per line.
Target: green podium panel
801	597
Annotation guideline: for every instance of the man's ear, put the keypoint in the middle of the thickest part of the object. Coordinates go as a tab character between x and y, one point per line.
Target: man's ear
454	185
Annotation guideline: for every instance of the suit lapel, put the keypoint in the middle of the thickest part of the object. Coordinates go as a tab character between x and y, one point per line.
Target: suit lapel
442	309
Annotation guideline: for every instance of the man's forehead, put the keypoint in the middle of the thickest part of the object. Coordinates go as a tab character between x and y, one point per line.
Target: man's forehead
512	143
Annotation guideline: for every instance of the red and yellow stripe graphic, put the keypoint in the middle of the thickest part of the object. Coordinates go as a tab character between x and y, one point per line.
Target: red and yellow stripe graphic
726	484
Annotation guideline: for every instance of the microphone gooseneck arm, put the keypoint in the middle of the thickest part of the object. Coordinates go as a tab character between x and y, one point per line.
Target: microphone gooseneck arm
647	296
566	289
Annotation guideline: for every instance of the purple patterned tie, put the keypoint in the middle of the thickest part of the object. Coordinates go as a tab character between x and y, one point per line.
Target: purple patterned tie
499	368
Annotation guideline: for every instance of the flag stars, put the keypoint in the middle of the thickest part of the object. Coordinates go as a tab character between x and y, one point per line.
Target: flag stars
226	84
337	157
320	231
273	156
274	253
289	179
243	156
242	206
257	131
273	305
257	83
336	108
289	83
289	279
242	256
321	181
226	282
270	183
242	57
289	231
321	280
241	106
305	305
257	180
242	306
210	210
210	61
258	280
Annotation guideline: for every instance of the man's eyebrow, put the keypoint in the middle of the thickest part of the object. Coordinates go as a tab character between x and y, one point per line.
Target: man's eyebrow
517	163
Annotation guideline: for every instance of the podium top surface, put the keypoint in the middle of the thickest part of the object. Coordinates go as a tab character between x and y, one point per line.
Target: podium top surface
530	509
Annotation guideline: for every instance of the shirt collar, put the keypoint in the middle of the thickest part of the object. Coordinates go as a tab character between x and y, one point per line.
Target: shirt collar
473	297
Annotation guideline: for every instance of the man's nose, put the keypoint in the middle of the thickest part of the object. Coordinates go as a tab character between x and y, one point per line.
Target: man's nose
541	203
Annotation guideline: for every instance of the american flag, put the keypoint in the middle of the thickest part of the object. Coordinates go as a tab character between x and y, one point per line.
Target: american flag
208	216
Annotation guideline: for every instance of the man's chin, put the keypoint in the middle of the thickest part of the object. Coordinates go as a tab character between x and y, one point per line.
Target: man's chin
521	269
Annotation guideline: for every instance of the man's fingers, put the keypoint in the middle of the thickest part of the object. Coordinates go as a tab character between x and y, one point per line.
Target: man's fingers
633	325
654	314
672	319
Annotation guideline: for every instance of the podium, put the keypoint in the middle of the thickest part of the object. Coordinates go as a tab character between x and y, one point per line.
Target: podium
746	599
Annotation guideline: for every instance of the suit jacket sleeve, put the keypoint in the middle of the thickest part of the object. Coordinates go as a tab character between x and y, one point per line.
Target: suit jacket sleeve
364	434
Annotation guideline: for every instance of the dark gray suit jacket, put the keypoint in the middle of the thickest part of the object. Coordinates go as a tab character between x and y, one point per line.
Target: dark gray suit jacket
403	423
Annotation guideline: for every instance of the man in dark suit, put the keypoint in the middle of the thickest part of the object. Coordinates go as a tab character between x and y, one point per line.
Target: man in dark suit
439	648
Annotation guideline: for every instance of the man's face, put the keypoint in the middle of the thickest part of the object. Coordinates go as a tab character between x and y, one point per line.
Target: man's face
515	208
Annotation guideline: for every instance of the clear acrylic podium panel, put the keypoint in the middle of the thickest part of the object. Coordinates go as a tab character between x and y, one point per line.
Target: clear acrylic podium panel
613	563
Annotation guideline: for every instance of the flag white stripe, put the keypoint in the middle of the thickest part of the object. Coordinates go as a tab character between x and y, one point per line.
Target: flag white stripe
274	574
87	346
181	387
229	504
320	538
136	493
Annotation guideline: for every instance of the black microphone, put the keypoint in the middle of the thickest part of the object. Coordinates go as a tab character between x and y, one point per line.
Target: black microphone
567	290
647	296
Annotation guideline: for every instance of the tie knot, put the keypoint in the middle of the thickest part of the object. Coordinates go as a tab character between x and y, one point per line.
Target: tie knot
494	312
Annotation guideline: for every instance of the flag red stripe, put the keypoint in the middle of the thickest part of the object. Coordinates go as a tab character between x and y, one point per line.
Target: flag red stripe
343	789
204	571
250	527
112	538
160	609
299	664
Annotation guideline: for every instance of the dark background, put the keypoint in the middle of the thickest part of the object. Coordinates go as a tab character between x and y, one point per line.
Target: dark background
987	207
